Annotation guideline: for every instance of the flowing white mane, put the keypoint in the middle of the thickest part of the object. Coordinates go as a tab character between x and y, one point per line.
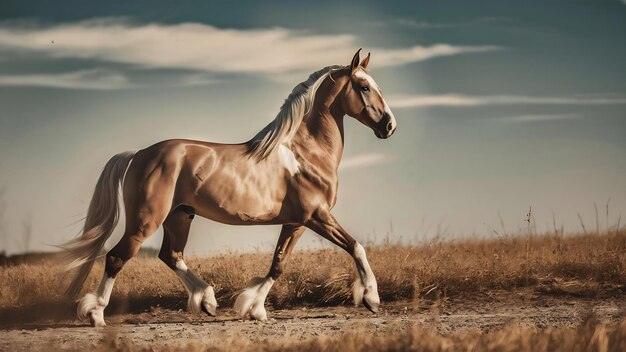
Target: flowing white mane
297	105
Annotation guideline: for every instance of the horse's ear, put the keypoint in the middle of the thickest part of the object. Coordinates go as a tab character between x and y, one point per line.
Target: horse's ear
366	61
355	60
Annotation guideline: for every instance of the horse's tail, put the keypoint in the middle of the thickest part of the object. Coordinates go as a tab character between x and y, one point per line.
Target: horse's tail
102	217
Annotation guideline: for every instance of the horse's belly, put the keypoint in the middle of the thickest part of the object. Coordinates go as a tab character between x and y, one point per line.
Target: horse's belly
240	201
237	213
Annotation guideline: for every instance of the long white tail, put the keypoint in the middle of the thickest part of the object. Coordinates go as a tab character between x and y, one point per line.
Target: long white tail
100	222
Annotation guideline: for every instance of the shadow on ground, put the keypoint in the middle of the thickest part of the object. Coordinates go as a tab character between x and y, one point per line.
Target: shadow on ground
57	312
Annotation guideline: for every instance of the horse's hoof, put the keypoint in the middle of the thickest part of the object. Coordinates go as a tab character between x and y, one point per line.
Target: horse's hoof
209	303
251	300
210	311
96	319
373	307
368	297
258	313
91	307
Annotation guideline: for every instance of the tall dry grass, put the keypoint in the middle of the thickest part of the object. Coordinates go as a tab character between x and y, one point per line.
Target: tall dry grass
595	263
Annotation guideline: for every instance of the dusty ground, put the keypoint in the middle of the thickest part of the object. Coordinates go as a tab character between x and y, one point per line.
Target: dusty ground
165	327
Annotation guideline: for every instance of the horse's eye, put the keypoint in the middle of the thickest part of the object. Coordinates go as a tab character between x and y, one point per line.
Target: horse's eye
365	88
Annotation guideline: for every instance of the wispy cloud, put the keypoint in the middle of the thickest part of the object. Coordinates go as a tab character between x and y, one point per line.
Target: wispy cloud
98	79
85	79
205	48
539	118
392	57
363	160
418	101
416	24
195	79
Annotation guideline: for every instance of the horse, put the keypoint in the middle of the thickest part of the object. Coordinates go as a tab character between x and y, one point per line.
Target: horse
285	175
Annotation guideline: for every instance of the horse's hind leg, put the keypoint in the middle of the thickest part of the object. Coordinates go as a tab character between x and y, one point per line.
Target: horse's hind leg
141	222
176	230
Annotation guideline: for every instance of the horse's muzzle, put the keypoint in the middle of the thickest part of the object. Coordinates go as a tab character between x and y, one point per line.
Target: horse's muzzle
386	126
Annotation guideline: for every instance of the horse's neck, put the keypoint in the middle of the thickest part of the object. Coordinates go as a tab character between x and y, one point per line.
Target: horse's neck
321	135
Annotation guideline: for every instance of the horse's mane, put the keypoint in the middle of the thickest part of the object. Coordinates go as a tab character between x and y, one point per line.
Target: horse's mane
297	105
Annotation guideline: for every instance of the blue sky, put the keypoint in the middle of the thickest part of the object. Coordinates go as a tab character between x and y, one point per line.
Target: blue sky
501	105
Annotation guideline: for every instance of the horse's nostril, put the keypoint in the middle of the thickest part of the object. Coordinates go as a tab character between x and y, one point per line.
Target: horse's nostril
389	126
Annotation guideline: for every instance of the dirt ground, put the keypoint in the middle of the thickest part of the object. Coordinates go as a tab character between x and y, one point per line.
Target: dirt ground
164	327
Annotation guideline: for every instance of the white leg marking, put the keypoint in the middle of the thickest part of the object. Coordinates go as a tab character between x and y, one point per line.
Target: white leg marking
365	288
92	305
251	300
201	294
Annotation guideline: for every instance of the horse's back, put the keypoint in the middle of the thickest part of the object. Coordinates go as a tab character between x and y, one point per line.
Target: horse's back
220	181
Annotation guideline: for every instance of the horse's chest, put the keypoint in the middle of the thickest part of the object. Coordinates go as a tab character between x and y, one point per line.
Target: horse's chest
315	186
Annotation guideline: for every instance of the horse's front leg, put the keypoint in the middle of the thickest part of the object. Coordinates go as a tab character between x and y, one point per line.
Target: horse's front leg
251	300
365	288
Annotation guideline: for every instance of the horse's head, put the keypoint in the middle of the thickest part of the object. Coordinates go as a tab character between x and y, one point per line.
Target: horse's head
363	100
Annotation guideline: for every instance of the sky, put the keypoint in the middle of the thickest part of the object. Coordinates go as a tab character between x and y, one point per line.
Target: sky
501	106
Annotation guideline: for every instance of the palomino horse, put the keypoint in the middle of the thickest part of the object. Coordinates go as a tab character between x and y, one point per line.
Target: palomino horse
287	174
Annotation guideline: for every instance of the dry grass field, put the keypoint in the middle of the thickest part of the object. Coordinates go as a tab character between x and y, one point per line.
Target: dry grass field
538	292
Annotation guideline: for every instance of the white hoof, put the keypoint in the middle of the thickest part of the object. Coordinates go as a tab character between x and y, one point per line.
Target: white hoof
202	301
251	301
209	303
366	295
92	307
